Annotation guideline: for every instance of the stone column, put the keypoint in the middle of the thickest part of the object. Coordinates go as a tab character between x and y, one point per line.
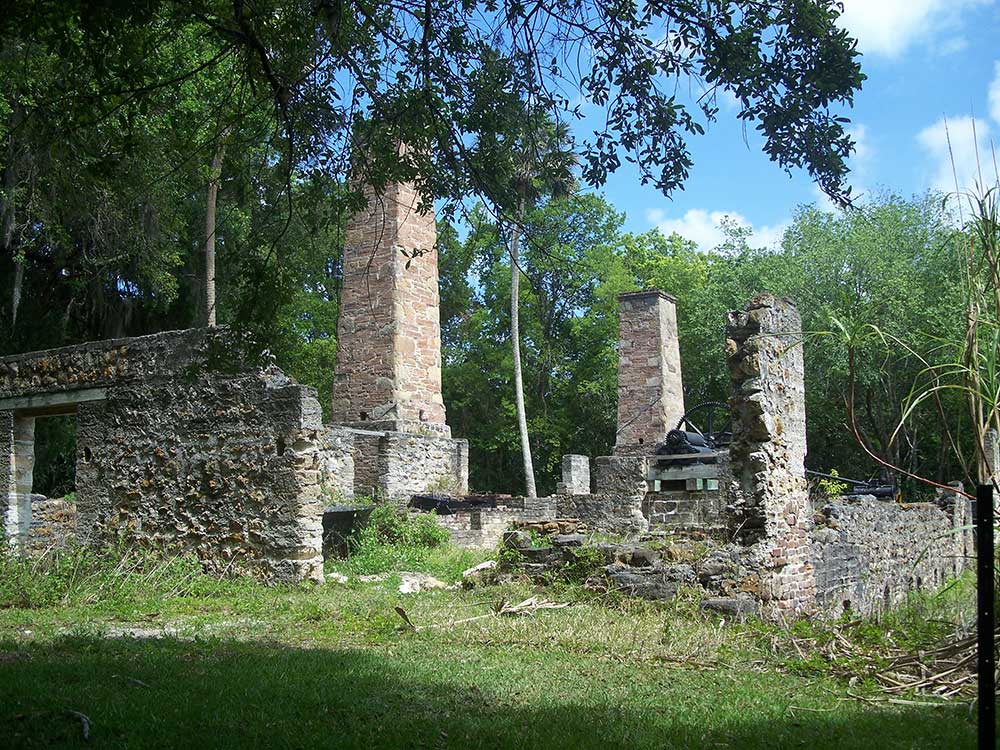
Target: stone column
388	374
650	394
768	499
17	462
575	475
991	447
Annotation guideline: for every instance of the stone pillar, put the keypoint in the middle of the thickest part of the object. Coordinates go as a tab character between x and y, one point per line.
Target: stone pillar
959	509
388	374
575	475
650	395
991	447
17	462
768	499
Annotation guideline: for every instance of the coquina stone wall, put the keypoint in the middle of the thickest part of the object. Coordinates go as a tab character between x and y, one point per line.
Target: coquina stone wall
768	502
615	507
53	524
868	554
230	464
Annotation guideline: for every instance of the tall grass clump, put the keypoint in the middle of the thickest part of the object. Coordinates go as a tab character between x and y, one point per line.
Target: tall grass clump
113	577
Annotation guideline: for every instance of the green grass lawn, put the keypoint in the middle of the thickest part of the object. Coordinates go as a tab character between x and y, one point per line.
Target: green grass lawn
227	664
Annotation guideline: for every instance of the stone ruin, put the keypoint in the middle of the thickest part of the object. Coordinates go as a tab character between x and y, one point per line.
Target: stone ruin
746	508
184	443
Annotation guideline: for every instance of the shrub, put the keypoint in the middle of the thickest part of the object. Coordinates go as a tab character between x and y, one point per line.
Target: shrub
390	525
831	488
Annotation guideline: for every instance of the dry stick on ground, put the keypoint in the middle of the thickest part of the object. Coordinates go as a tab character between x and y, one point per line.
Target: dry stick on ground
501	608
947	671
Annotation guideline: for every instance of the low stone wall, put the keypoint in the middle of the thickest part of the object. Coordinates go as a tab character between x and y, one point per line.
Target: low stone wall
695	508
53	524
611	514
482	528
868	554
413	464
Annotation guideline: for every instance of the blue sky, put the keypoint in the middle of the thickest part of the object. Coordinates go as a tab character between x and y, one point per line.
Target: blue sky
927	62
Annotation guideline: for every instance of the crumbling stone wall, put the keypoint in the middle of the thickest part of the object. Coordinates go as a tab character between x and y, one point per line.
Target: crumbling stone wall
335	461
53	524
388	374
650	393
690	508
171	452
868	554
768	502
414	464
480	528
615	507
228	469
611	514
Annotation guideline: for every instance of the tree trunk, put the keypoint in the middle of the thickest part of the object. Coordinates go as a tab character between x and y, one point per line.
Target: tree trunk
213	194
515	338
15	297
7	210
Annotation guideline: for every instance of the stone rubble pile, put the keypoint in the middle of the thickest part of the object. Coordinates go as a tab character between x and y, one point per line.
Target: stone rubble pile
650	569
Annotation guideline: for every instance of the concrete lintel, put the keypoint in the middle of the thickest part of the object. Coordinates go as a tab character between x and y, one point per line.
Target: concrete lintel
61	402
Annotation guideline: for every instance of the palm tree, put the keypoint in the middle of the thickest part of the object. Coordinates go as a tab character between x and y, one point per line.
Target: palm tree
544	163
214	179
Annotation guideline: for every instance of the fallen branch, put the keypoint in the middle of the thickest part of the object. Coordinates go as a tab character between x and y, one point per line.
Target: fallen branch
501	608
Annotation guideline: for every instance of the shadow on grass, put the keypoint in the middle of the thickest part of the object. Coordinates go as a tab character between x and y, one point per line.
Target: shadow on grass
224	694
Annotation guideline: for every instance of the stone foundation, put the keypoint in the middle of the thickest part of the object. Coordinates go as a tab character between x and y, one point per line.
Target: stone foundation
397	465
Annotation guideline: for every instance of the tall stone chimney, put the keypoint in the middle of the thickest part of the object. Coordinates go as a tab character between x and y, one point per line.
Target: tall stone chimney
388	374
650	395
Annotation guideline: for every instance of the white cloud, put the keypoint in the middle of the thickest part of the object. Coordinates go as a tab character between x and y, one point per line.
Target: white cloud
860	162
864	151
704	228
888	27
994	93
957	147
953	45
